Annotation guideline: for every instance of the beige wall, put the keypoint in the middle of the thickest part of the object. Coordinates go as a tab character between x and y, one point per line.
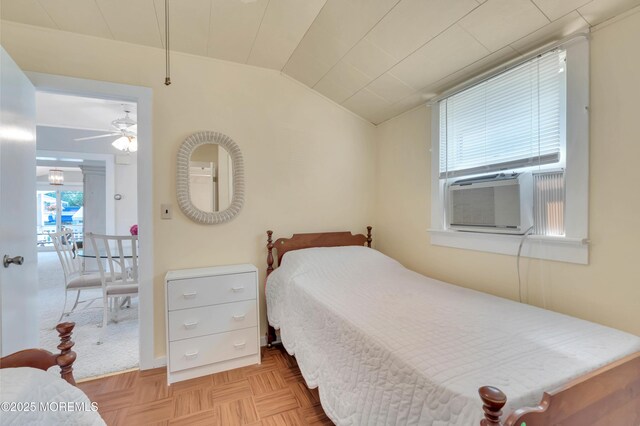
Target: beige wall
309	163
606	291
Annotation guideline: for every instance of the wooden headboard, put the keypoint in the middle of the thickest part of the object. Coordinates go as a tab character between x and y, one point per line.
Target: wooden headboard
319	239
302	241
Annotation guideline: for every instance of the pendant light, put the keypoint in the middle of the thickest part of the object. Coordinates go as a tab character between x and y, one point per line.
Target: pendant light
56	177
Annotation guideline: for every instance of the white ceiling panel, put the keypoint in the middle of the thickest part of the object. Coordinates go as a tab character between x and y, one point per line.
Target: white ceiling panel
390	88
132	21
556	30
306	68
555	9
600	10
399	107
350	20
27	12
445	54
284	24
498	23
315	55
80	16
488	63
412	23
367	104
189	25
233	28
337	28
369	59
341	82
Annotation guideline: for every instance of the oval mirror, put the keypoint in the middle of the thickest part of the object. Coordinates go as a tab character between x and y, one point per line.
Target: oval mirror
210	182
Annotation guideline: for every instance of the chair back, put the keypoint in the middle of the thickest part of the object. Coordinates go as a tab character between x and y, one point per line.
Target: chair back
117	257
66	247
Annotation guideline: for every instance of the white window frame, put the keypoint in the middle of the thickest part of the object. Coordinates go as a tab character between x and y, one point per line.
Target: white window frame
574	245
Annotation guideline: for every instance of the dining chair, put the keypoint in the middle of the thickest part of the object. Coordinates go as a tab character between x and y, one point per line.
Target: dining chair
75	276
117	258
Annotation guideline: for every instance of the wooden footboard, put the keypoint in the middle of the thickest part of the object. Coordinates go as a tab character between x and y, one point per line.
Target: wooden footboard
43	359
607	396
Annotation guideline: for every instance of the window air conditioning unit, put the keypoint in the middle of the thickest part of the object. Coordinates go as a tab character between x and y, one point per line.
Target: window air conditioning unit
497	203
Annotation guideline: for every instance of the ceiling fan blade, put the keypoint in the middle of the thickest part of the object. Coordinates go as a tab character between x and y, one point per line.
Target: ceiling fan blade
108	135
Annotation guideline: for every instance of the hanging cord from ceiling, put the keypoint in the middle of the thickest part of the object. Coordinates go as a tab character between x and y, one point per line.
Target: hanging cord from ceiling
167	79
524	237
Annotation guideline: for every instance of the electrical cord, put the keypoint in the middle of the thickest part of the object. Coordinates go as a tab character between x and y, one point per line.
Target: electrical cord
524	237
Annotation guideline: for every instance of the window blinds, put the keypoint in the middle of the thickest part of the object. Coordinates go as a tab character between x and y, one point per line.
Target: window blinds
509	121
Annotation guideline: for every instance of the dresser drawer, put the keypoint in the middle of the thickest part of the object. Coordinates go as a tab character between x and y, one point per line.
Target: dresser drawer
203	291
186	323
198	351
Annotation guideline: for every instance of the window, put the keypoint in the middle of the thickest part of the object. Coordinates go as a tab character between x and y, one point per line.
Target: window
530	118
510	121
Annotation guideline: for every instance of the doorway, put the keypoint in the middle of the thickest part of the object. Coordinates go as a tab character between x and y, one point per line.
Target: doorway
77	137
141	98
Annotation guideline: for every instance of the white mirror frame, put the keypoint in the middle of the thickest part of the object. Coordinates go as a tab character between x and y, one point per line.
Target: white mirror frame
183	191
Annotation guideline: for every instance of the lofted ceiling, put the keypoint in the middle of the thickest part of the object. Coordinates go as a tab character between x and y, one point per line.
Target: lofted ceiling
378	58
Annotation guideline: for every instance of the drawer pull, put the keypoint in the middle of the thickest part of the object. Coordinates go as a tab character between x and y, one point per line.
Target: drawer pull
189	325
191	355
237	289
240	345
239	317
189	295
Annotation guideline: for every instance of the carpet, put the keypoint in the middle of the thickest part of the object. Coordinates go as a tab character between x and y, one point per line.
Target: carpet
119	350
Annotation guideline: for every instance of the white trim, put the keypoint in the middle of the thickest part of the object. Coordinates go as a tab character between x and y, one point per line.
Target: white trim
561	249
160	362
143	96
571	248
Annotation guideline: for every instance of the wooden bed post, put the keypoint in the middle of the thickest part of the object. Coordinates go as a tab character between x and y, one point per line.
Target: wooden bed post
492	402
67	357
271	332
43	359
369	236
270	255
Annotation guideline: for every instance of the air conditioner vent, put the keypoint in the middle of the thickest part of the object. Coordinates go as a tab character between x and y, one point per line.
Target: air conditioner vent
499	203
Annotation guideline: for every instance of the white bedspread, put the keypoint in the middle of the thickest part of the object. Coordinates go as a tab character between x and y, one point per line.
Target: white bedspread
23	389
386	345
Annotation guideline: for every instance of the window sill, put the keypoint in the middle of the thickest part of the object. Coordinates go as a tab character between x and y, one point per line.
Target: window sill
562	249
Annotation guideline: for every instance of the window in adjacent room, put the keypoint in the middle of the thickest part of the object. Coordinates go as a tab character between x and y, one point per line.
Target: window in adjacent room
532	119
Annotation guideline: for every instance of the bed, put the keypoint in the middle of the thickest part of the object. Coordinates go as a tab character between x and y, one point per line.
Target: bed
30	394
385	345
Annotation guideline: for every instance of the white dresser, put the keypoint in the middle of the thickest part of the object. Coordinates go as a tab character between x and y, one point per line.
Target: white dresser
212	320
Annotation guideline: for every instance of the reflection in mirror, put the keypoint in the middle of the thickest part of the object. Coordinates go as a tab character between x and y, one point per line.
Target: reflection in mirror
210	178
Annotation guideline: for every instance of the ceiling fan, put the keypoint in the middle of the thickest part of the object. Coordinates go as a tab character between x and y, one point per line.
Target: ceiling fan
127	130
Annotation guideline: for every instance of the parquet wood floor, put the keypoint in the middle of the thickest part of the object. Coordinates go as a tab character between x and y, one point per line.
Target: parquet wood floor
270	394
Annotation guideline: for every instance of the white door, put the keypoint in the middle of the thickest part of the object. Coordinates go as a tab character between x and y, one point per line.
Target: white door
18	283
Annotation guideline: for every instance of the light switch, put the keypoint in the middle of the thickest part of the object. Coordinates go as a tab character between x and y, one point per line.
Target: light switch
166	211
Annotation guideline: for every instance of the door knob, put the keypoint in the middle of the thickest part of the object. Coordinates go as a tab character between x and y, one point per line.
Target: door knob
6	260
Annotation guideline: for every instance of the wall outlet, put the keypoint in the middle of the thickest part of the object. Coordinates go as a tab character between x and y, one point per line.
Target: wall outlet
165	211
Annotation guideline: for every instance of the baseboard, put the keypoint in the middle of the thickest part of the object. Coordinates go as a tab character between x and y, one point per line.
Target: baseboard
158	362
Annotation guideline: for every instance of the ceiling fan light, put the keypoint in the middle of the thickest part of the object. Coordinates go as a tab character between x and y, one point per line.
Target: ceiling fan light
127	144
124	122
